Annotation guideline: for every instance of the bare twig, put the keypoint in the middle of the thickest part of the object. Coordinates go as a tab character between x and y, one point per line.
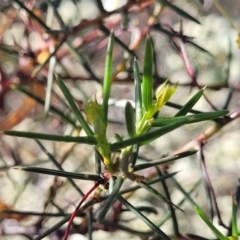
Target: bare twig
209	185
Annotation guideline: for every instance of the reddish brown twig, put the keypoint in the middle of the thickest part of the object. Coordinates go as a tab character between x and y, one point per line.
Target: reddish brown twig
209	185
73	215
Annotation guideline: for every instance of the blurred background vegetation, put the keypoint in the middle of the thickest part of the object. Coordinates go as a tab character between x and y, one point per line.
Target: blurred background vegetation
39	38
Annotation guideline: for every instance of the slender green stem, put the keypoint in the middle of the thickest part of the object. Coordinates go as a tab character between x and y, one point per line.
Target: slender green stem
110	199
143	218
107	78
163	160
48	137
82	176
74	107
138	92
147	136
147	81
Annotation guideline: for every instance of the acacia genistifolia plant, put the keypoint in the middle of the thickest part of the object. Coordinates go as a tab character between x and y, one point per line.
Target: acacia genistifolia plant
117	161
41	70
